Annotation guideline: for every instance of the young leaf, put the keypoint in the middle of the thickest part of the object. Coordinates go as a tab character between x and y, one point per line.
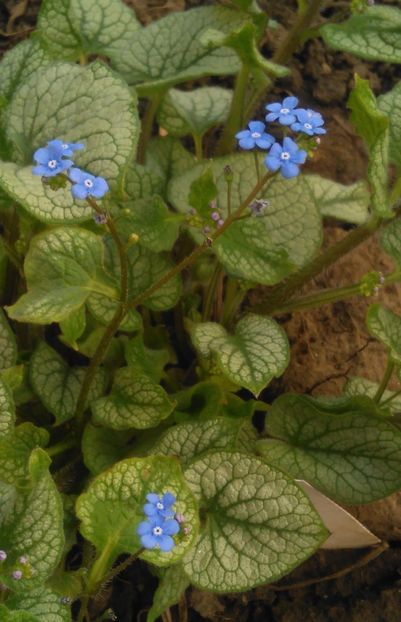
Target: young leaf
41	110
349	203
57	385
172	585
373	126
373	35
70	29
7	410
62	267
385	325
35	528
142	182
257	353
16	449
188	440
19	63
259	524
144	360
151	219
42	603
203	400
390	240
134	402
353	457
102	447
72	327
112	507
166	156
202	192
254	248
194	112
169	51
390	104
8	346
363	386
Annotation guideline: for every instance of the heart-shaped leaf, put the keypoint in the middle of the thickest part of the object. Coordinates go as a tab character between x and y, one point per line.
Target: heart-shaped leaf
102	447
112	507
352	457
258	524
58	385
188	440
7	410
148	361
70	29
19	63
257	353
33	527
16	616
363	386
62	267
42	603
170	50
194	112
374	34
134	402
16	449
79	104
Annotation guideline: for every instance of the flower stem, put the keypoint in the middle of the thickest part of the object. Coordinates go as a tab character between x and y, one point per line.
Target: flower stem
211	292
327	296
235	117
59	448
198	146
147	125
111	328
385	380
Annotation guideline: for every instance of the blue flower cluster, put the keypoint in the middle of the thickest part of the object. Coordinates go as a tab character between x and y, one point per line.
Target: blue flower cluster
159	527
51	160
286	157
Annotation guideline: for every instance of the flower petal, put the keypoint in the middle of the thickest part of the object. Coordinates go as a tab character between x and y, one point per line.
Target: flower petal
79	191
247	143
286	119
150	509
144	528
40	170
171	527
166	543
274	107
256	126
100	187
148	541
265	141
168	499
289	145
76	175
42	155
243	134
272	163
272	116
289	169
290	102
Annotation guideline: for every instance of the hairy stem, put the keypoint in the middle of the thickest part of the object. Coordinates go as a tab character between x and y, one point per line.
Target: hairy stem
280	294
306	15
327	296
147	125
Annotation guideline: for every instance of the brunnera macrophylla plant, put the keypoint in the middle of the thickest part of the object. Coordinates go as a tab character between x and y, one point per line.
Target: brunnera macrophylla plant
132	362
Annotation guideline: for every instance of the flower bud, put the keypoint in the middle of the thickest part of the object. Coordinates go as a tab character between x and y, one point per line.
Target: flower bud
3	556
17	575
215	216
23	560
228	173
220	222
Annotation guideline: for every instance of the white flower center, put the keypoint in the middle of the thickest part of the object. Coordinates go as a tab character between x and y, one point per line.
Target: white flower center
285	155
255	135
88	183
157	531
307	126
284	110
52	163
160	505
64	146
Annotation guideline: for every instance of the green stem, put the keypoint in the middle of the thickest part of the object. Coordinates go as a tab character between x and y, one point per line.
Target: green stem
121	567
147	125
257	168
199	250
307	13
280	294
59	448
211	292
385	380
296	33
391	398
234	296
198	146
111	328
327	296
235	117
395	193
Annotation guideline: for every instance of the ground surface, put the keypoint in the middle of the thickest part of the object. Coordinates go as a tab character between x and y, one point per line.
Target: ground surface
331	344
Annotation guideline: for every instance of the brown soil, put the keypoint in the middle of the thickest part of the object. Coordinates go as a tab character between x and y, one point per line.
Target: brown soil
328	345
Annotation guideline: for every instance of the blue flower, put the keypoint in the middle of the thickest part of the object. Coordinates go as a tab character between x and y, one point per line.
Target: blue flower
65	148
286	157
157	532
160	505
49	162
86	185
309	122
284	112
255	136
